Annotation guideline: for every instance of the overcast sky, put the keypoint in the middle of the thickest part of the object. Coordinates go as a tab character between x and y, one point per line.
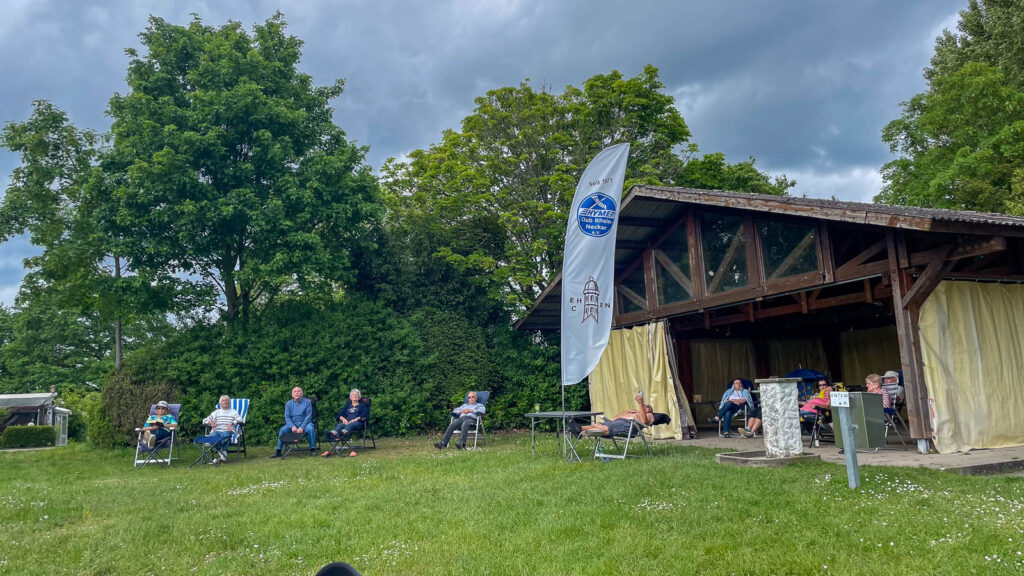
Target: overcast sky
805	87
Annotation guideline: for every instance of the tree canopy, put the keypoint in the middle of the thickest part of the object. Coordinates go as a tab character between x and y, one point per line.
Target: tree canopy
961	142
499	189
232	169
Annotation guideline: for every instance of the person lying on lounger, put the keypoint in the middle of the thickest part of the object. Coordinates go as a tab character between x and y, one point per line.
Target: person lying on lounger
620	424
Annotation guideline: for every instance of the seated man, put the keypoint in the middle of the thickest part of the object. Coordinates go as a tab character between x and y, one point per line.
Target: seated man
809	409
465	417
222	421
351	418
159	425
298	419
874	384
620	424
736	398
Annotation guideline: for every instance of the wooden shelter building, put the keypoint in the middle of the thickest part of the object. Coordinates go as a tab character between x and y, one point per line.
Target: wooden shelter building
810	281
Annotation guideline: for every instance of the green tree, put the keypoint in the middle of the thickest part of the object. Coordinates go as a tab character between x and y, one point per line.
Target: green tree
233	171
961	142
44	343
494	196
59	197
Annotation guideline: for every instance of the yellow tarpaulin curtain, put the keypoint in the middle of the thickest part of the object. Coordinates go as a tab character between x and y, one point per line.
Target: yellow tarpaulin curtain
972	344
788	354
871	351
636	359
717	362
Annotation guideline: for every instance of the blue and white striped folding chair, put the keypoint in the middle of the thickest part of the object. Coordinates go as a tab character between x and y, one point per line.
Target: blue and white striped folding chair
237	445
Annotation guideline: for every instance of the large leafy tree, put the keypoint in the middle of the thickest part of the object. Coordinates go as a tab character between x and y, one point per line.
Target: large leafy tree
233	171
961	142
493	196
59	197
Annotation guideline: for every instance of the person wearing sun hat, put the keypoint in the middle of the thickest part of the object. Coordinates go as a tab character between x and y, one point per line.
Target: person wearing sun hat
158	426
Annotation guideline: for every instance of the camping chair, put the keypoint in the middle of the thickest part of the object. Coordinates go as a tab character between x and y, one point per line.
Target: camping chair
478	429
890	415
818	432
339	445
748	386
636	429
237	444
210	448
899	399
290	440
146	455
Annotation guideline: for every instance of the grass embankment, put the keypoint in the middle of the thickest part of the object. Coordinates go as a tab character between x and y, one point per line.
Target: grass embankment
408	509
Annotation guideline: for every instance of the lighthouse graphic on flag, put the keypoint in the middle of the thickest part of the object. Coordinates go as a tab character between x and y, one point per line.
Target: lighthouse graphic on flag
591	294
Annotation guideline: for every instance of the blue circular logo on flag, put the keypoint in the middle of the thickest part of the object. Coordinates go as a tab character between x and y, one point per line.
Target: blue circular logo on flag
596	215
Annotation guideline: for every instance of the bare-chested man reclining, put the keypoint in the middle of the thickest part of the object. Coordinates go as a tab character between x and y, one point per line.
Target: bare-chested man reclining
620	425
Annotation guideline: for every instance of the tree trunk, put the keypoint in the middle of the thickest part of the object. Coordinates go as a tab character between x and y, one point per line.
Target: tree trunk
117	324
230	291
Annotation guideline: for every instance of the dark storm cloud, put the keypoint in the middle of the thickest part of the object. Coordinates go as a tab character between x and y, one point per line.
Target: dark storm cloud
804	87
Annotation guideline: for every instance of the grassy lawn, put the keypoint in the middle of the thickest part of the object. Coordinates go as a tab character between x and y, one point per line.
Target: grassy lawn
408	509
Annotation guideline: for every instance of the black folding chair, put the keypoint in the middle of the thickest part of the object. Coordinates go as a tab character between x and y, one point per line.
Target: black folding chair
290	440
340	444
819	429
145	455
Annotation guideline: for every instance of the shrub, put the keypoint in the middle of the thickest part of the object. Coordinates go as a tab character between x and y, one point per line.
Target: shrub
4	414
27	436
83	405
126	405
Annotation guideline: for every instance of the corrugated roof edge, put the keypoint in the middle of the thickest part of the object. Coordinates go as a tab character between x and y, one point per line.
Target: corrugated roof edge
738	199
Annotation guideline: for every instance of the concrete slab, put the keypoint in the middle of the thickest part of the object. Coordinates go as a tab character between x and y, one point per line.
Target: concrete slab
758	459
988	461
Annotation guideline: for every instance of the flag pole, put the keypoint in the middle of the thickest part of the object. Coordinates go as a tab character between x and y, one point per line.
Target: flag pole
588	271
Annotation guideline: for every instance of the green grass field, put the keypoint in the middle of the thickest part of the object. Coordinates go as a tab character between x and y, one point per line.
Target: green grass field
408	509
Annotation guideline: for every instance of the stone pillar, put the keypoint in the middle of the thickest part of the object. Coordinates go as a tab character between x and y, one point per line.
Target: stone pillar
781	417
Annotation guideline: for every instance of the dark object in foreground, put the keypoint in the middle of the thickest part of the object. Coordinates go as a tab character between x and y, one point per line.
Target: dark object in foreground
338	569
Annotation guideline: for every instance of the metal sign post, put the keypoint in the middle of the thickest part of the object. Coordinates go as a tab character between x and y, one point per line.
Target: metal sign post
841	401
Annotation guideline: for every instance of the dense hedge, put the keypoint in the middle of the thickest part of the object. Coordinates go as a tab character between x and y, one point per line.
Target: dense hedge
415	366
27	436
126	405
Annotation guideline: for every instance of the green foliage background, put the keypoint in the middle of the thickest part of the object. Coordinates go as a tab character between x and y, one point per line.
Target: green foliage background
414	366
961	142
241	245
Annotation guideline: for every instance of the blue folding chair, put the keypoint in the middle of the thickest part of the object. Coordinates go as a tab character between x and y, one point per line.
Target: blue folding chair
237	444
209	450
163	451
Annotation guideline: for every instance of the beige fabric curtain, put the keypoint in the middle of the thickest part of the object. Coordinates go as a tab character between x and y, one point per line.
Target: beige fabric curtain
788	354
717	362
636	359
864	352
972	343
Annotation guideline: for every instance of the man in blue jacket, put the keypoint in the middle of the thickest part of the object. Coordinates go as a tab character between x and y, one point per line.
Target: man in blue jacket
465	416
736	398
298	418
